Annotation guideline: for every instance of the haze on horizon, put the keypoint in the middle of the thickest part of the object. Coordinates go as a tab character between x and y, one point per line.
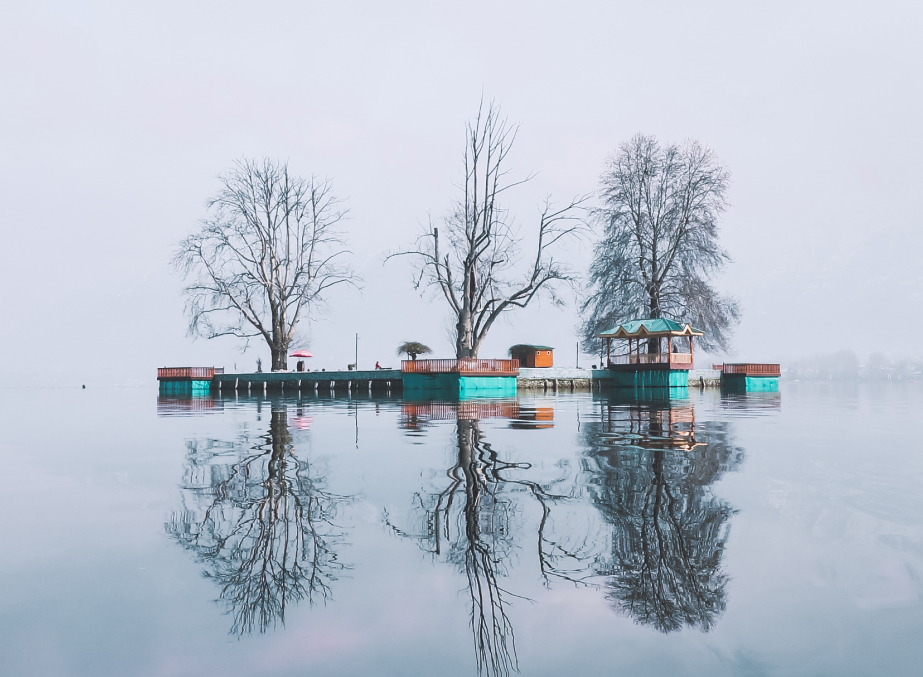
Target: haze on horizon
117	120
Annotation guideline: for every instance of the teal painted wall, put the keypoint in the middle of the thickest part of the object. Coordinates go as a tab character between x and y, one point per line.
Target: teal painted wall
741	383
674	378
461	386
185	387
489	386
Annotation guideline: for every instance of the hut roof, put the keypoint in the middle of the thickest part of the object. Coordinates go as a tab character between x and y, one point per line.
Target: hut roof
519	347
650	328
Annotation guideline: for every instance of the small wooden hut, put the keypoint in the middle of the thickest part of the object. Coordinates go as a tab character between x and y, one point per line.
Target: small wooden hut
531	356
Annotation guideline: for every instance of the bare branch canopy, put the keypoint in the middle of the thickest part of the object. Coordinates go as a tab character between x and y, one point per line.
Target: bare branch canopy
472	258
265	257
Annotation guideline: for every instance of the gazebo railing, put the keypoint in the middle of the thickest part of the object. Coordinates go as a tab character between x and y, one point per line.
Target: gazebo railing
653	358
465	365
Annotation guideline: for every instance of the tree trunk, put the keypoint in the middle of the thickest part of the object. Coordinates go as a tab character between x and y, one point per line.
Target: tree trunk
279	351
278	359
653	345
465	343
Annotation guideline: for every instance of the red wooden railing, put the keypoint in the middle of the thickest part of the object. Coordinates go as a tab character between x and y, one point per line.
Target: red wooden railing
752	369
653	358
182	373
465	365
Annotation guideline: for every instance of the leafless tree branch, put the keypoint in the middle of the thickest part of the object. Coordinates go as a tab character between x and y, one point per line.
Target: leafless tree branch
473	258
265	257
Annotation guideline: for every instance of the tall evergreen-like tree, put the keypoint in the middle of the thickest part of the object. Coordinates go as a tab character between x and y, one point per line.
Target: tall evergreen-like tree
658	248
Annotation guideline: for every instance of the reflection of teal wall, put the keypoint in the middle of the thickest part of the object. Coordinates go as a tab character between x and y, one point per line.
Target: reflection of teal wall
740	383
673	378
665	397
185	387
461	386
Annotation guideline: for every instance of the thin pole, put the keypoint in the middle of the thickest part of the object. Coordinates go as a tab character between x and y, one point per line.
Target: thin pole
357	352
578	354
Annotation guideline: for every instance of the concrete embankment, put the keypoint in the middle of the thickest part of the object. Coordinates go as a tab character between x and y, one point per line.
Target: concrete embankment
704	378
551	379
555	379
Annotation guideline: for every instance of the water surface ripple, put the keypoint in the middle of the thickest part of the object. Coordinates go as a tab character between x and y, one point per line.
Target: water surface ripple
769	533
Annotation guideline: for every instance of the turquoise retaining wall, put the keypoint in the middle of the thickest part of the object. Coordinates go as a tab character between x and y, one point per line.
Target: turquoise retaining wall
461	386
673	378
185	387
741	383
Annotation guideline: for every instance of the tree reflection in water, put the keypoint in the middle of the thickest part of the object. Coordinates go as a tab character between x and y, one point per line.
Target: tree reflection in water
651	469
475	523
261	522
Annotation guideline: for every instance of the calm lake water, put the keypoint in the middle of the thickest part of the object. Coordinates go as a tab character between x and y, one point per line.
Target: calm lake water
769	534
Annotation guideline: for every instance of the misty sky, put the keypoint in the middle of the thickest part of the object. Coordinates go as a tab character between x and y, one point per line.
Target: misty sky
117	118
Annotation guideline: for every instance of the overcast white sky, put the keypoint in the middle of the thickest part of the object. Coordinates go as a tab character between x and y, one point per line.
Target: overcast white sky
117	117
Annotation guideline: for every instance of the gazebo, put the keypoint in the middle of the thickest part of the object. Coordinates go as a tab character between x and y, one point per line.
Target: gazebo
666	366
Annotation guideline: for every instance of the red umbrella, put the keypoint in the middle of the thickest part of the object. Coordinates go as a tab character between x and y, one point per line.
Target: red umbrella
301	353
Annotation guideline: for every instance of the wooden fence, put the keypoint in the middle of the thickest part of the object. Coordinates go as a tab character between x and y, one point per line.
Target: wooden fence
467	366
752	369
186	373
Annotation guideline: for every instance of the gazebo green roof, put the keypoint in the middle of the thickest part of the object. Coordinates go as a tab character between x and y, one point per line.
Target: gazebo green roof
650	328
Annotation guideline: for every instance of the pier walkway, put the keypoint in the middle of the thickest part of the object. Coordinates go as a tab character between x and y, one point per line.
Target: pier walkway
376	379
545	379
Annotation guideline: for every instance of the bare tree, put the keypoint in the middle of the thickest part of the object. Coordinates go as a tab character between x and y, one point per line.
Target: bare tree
659	243
472	260
265	257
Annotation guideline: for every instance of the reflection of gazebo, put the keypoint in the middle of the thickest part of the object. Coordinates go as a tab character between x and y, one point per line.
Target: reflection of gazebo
666	360
651	426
